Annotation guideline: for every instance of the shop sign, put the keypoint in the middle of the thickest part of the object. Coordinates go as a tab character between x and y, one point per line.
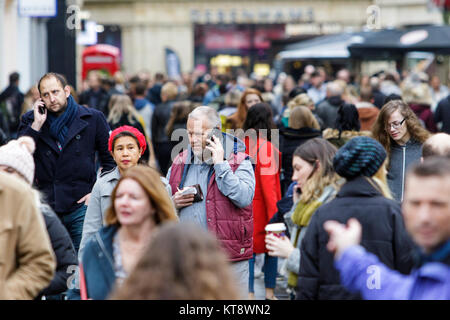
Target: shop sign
233	16
38	8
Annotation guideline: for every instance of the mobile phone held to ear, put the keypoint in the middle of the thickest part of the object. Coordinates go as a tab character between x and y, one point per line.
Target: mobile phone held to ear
41	110
217	135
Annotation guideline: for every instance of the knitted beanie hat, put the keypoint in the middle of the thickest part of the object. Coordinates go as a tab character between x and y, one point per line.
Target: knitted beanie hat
18	154
360	156
135	132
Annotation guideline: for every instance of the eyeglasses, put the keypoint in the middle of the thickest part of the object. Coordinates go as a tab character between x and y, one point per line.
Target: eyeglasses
395	125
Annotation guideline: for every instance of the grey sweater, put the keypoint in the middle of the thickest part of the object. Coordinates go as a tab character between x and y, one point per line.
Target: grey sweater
401	158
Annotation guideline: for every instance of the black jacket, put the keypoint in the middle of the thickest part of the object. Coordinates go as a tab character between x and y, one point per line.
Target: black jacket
95	99
160	118
13	95
442	114
64	252
68	175
383	234
290	139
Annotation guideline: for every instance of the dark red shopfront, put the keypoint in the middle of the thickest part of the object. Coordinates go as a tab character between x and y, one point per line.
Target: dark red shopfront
250	42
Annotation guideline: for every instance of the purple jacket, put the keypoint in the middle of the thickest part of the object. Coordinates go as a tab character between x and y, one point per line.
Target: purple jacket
362	271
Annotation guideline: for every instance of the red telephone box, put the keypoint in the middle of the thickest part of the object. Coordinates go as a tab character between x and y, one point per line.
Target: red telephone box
100	57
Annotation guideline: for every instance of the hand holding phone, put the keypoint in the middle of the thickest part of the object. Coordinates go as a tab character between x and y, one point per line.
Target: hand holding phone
214	144
40	114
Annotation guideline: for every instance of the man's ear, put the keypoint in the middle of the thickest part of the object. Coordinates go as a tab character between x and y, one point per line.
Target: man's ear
67	91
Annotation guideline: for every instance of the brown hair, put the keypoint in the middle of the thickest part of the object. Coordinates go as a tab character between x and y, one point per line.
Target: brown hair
413	125
149	180
59	77
302	117
179	113
182	262
237	119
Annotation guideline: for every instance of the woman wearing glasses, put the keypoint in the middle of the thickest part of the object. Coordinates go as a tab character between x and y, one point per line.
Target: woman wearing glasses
398	129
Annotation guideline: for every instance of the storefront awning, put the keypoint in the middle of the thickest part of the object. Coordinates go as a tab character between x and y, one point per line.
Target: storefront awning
434	39
324	47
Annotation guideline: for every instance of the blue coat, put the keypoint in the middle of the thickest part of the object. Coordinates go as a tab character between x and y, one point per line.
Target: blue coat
98	264
68	175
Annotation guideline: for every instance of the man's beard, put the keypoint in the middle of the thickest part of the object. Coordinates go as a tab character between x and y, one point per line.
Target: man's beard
203	155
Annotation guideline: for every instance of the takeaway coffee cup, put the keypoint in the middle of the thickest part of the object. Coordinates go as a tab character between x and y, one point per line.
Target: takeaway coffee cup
277	229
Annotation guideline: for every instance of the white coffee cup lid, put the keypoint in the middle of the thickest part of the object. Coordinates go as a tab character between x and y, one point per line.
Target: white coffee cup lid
275	227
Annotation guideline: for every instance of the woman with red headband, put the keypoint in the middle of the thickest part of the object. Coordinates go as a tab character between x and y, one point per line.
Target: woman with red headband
126	145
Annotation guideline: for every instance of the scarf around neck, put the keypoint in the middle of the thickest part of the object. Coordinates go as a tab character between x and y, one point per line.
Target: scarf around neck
59	126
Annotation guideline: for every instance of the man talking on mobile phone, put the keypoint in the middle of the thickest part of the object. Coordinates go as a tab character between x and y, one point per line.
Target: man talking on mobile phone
223	173
67	137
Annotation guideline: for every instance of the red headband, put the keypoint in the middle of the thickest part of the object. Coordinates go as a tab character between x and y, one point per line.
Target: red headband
135	132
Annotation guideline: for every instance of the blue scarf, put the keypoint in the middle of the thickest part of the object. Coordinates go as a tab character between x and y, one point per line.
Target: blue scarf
59	126
441	254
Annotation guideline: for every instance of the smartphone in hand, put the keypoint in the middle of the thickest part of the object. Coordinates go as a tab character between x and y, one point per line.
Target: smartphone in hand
41	109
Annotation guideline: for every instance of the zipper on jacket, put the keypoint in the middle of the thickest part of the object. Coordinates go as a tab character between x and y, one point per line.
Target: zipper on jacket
102	247
403	171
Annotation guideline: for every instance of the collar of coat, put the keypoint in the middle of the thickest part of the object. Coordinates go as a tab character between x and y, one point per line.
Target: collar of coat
359	187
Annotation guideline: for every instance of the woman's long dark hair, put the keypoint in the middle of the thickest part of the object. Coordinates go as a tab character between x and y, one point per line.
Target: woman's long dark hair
347	118
259	116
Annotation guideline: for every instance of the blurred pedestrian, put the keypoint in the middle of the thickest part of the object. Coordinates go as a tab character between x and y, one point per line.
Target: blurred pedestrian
248	98
67	136
12	98
267	158
154	93
347	126
426	211
302	126
16	158
378	96
144	107
95	97
317	184
28	262
182	262
139	205
438	91
161	115
30	98
366	197
178	120
327	110
420	102
399	131
367	112
318	89
442	115
436	145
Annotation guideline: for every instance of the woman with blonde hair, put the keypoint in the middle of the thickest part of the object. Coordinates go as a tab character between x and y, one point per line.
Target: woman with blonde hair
248	99
399	131
139	205
317	184
182	262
